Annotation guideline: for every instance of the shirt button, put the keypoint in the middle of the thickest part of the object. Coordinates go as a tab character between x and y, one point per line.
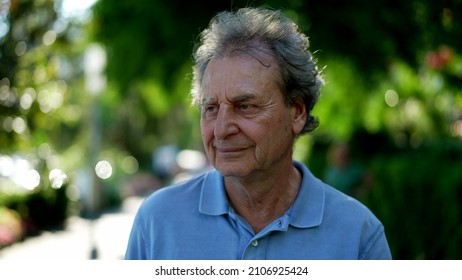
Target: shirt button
255	243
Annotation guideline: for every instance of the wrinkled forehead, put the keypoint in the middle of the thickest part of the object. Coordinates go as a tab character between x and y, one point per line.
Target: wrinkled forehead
239	78
260	52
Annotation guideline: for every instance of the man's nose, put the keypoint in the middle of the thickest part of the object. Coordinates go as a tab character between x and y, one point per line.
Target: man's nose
226	123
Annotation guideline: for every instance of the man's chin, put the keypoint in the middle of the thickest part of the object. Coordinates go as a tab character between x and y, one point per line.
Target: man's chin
232	171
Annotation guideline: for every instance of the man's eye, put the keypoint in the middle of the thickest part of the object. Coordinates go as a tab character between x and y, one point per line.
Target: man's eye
209	110
247	108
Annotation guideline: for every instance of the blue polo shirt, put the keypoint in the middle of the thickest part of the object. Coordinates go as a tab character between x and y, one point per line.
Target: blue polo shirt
194	221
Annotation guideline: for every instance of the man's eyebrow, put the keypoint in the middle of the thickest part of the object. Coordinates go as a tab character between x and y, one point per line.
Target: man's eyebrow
233	99
207	100
242	98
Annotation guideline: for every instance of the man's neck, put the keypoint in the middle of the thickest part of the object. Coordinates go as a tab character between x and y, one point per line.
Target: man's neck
263	200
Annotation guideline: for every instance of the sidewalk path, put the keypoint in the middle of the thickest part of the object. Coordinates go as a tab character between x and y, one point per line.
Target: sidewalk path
108	235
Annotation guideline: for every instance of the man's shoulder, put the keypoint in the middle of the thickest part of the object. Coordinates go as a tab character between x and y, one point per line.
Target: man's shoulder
176	195
349	208
336	203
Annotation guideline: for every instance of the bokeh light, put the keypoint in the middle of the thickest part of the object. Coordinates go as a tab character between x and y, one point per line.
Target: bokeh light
57	178
103	169
391	98
191	160
130	165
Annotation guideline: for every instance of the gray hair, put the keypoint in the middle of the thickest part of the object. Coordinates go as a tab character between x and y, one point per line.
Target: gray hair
254	30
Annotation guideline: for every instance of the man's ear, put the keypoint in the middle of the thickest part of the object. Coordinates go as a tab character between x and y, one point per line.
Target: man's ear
299	114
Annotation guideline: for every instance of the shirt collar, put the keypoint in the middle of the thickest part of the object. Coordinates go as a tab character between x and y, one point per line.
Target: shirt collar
213	200
307	210
308	207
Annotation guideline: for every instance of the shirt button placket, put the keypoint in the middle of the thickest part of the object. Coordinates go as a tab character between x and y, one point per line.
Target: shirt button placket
255	243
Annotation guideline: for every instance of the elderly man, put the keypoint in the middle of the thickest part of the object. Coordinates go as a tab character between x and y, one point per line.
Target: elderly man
256	84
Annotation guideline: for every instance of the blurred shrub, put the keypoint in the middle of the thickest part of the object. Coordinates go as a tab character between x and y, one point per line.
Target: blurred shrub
417	195
416	192
42	209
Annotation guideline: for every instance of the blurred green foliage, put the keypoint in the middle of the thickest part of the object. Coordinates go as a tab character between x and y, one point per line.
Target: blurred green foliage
38	210
417	195
394	92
